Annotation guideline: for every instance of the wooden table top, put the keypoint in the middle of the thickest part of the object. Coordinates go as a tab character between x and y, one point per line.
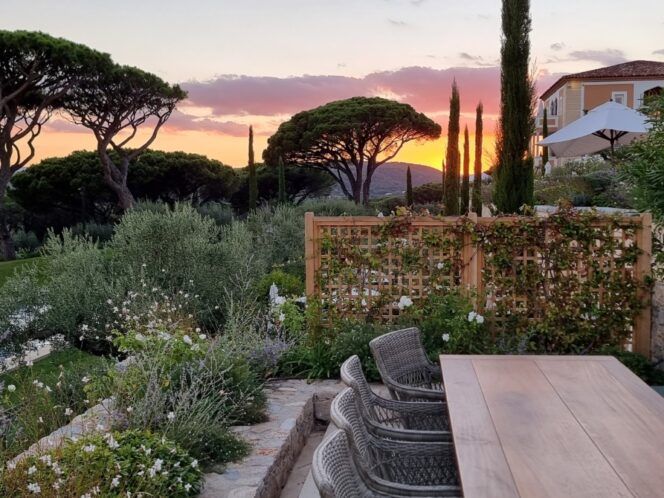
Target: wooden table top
554	426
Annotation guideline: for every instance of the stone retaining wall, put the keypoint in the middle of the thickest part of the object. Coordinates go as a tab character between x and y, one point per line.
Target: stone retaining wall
293	407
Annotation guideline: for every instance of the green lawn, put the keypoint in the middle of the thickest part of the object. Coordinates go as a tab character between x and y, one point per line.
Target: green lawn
7	268
48	369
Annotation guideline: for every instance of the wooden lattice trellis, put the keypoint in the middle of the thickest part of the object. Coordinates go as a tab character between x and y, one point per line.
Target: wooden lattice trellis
353	267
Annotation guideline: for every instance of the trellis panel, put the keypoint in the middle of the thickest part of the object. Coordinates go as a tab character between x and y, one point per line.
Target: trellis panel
349	268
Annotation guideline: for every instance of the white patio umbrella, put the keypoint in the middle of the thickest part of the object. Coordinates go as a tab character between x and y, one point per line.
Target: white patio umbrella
602	128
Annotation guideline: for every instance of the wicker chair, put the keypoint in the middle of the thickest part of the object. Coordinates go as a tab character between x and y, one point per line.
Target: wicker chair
334	473
404	367
395	468
393	419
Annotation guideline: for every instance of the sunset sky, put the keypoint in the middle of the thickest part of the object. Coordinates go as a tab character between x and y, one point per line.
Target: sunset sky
260	61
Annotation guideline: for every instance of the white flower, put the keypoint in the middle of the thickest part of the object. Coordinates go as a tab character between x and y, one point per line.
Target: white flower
115	482
440	265
35	488
187	487
129	409
171	416
29	363
84	327
198	329
475	317
112	443
187	340
471	316
380	215
404	302
41	420
479	319
202	337
194	463
32	470
11	388
89	448
11	465
109	301
68	411
446	337
85	379
282	317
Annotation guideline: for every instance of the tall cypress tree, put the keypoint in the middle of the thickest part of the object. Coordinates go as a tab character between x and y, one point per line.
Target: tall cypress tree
465	185
477	171
545	133
442	181
514	169
409	188
253	180
452	157
281	197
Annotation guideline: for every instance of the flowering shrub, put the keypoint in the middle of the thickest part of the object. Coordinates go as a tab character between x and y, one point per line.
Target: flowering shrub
37	399
112	465
449	324
181	383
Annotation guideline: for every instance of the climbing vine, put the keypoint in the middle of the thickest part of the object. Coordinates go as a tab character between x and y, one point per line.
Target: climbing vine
563	283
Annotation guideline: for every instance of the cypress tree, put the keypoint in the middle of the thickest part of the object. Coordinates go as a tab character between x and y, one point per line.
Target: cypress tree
465	185
253	180
452	158
409	188
545	133
281	197
477	171
514	168
442	182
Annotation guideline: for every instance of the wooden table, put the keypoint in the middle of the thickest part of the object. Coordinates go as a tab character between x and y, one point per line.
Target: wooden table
554	426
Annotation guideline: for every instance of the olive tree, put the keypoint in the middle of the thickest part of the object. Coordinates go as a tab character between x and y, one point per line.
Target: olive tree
349	139
36	72
114	105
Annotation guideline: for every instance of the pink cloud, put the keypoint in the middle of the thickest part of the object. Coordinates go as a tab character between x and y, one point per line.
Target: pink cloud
270	98
180	121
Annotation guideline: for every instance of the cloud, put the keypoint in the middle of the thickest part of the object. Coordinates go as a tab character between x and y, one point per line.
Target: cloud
658	52
398	23
180	121
557	46
226	104
478	60
607	56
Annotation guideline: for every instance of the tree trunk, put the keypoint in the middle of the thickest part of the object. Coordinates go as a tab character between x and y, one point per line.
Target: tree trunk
116	179
6	242
358	186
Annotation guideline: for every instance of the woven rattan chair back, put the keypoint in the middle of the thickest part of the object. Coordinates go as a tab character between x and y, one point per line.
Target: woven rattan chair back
402	360
333	470
401	420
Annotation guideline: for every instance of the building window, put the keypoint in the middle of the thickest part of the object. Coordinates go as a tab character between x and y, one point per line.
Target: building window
619	97
553	107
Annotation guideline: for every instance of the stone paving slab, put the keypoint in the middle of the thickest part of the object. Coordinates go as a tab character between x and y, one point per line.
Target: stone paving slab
276	444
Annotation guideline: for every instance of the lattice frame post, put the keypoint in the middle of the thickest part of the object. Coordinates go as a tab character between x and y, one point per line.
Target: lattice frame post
641	340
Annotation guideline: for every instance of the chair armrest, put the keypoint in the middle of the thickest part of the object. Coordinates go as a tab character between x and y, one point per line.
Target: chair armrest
410	393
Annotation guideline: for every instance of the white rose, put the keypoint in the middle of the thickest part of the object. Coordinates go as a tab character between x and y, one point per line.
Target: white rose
404	302
11	388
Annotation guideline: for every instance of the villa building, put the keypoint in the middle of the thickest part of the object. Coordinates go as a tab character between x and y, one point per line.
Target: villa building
574	95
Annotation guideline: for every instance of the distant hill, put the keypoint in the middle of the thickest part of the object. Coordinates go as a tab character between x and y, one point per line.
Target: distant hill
390	179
